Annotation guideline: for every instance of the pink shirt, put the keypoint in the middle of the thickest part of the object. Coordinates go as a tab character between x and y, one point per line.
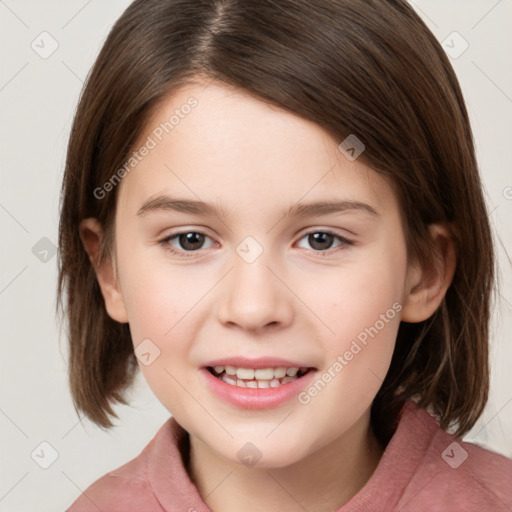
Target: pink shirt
422	469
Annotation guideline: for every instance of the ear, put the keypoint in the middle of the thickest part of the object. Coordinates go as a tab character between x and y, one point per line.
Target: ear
91	234
426	287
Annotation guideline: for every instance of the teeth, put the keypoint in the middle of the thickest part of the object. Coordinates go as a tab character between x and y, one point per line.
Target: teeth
264	374
256	378
230	370
279	373
258	373
228	380
245	373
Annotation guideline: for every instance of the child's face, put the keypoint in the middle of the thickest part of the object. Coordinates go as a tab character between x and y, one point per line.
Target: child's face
316	301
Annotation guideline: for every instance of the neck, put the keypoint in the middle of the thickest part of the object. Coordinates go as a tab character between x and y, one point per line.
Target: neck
323	481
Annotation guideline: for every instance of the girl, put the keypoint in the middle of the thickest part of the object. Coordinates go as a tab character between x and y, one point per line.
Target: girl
273	209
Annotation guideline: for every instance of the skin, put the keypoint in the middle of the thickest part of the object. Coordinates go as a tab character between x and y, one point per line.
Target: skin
295	301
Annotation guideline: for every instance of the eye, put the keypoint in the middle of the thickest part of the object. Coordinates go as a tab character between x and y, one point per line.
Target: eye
188	241
321	241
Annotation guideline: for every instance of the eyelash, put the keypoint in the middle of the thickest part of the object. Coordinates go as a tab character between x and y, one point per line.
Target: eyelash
345	242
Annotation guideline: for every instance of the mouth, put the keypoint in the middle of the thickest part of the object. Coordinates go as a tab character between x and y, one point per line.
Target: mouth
271	377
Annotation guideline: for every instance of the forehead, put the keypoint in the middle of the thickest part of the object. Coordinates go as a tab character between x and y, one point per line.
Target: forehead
215	142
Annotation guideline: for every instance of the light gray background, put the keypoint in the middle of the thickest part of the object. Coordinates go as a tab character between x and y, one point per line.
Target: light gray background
37	101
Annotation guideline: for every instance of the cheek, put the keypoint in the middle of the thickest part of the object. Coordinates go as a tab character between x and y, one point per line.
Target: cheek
157	296
356	297
366	328
362	308
160	303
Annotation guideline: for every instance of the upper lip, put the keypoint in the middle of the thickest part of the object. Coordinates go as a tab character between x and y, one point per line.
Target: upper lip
260	362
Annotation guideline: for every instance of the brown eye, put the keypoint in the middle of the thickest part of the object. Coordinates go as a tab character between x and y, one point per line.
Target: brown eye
185	243
321	241
191	241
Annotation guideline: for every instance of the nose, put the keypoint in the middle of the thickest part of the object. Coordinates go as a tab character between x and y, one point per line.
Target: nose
254	297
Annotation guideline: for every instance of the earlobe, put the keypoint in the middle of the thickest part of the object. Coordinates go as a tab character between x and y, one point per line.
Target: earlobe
426	287
91	234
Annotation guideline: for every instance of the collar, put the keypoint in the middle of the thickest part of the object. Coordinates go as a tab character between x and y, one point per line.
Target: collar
168	453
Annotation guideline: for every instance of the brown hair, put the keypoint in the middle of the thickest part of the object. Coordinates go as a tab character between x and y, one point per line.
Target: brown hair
365	67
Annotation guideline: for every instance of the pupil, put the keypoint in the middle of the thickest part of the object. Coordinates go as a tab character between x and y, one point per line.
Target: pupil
320	238
319	241
187	240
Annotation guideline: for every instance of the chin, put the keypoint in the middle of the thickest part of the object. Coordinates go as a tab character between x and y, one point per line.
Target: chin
265	455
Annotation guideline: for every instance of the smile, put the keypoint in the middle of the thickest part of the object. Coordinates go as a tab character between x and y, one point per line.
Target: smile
260	388
257	377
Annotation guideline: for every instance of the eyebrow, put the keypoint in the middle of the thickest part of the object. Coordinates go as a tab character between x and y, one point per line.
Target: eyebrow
175	204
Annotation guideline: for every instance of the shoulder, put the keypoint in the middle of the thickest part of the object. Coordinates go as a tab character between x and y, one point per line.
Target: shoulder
114	493
127	488
461	476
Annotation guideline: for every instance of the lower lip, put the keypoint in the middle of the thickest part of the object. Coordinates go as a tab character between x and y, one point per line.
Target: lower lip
256	398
